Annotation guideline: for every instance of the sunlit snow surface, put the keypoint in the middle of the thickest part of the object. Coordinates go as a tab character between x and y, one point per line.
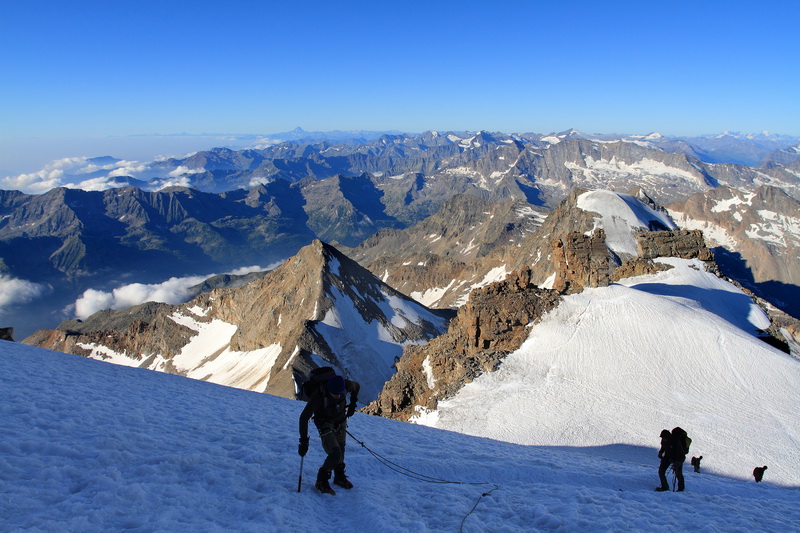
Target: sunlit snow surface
614	366
93	447
622	216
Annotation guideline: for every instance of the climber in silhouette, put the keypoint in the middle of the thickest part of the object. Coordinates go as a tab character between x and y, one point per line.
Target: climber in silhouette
758	473
672	452
330	410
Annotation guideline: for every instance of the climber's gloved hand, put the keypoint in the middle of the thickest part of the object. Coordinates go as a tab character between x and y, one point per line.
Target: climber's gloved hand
302	448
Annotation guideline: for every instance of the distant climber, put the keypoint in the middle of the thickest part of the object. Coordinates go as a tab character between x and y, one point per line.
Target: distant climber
758	473
696	463
674	447
327	404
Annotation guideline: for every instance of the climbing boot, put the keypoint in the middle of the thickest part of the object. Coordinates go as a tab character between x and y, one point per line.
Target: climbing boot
322	484
340	479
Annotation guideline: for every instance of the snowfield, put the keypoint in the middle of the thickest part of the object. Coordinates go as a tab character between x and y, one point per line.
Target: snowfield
622	216
90	446
611	367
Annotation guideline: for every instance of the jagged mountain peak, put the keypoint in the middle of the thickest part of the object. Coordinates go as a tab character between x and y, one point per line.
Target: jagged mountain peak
317	308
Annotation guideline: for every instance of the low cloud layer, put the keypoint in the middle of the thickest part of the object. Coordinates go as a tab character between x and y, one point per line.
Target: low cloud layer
99	174
19	291
172	291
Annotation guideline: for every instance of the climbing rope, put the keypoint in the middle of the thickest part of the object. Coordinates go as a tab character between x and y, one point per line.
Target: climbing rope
422	477
476	505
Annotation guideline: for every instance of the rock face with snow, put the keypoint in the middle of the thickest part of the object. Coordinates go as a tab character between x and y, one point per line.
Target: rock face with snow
496	319
431	260
620	217
755	237
318	308
493	323
616	364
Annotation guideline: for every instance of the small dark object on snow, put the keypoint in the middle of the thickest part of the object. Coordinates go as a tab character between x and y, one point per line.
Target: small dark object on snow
758	473
696	463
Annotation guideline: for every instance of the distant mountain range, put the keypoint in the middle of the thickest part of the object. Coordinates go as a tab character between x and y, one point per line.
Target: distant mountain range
322	308
448	202
297	155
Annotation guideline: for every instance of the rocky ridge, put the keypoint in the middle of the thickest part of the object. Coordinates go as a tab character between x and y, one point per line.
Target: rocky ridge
492	324
496	319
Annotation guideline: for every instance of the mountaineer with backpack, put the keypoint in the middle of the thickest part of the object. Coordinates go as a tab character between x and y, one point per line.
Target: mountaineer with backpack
326	394
674	447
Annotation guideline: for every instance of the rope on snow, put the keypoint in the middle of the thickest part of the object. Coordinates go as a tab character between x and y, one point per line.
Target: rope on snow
422	477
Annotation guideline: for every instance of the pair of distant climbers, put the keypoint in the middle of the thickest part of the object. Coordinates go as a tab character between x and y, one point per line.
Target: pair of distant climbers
326	394
674	447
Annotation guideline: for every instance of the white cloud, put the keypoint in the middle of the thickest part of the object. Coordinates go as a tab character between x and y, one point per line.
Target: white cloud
254	182
98	184
128	168
35	182
254	268
19	291
93	301
182	181
183	169
70	172
172	291
80	173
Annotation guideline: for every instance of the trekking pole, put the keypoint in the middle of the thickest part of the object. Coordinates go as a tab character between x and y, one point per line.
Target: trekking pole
674	476
300	479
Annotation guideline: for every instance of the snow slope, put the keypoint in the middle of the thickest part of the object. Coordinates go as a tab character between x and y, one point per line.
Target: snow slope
622	216
611	367
89	446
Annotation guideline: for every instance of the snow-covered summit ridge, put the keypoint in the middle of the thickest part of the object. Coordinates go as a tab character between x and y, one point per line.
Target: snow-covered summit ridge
616	365
622	216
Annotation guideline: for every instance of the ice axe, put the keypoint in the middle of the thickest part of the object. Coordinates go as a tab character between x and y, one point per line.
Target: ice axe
300	479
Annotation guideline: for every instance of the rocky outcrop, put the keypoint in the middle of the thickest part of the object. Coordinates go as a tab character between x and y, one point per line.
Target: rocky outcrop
580	261
686	244
638	267
493	323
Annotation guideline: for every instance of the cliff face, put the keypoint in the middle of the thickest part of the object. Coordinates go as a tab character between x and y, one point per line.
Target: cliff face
686	244
580	261
493	323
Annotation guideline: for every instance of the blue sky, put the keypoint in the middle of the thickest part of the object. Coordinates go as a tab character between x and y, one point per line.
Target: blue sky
90	70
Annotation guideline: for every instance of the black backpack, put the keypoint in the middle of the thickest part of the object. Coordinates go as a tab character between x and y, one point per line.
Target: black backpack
682	439
314	382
